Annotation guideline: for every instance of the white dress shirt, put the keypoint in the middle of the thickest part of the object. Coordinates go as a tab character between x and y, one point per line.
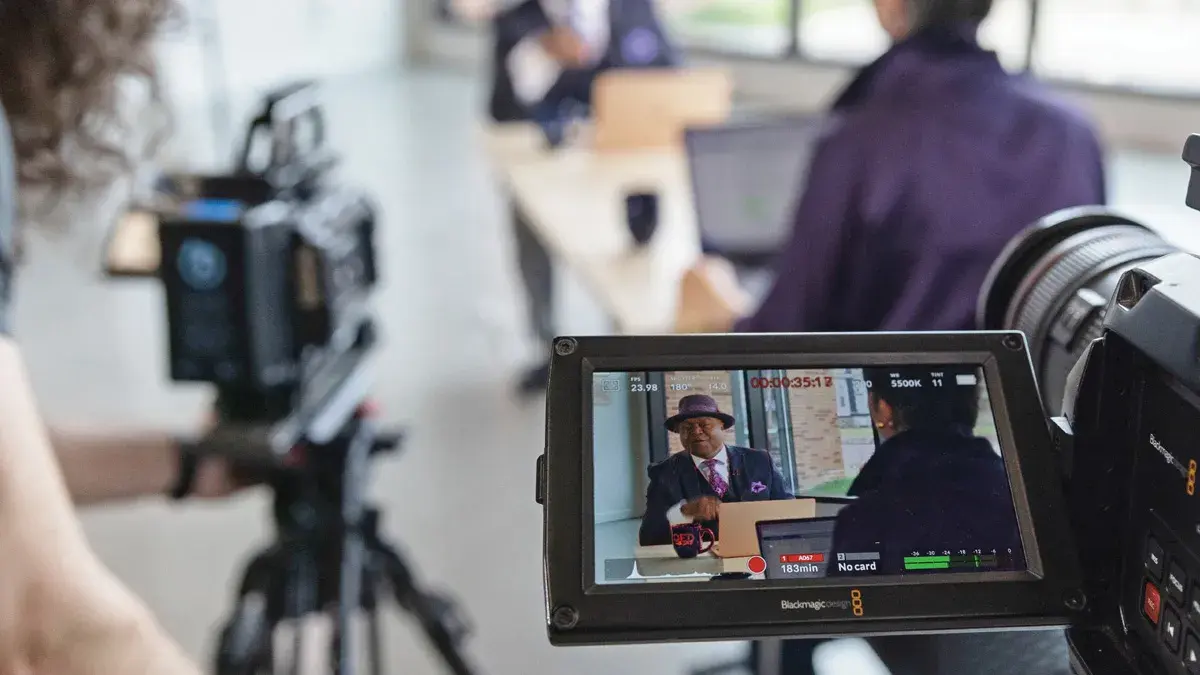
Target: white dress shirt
675	513
533	71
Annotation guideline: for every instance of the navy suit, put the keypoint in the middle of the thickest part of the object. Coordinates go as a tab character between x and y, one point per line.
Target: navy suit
677	479
633	24
637	40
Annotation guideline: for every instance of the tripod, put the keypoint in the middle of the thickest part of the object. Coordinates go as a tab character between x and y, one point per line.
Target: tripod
329	556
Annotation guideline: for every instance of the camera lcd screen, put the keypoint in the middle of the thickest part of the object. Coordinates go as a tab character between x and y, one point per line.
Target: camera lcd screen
795	475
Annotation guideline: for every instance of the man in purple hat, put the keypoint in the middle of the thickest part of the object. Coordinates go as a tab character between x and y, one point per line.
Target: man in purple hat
690	486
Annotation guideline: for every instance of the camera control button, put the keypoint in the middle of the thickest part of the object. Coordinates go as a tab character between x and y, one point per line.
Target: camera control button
539	490
1191	654
1154	558
1193	608
1151	603
1172	630
1176	583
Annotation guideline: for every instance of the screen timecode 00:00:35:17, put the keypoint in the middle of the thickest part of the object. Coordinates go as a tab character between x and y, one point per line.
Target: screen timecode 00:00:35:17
805	382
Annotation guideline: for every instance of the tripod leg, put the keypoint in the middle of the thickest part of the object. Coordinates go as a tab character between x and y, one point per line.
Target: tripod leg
375	640
438	616
371	581
244	646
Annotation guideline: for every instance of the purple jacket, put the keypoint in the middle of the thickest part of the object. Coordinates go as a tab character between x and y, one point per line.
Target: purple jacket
936	157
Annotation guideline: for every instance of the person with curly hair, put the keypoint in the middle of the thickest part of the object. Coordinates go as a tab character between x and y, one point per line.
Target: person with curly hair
65	67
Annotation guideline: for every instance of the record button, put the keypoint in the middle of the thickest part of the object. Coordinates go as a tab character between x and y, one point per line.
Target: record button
1152	603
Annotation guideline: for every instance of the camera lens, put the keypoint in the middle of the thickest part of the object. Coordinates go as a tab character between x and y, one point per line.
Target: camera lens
1053	283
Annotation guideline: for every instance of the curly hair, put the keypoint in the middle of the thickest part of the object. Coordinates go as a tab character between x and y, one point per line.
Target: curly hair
63	68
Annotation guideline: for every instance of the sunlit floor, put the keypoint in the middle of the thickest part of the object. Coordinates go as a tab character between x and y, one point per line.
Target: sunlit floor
460	497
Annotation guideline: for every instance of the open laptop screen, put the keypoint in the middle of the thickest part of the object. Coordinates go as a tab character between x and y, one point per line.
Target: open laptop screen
746	180
797	549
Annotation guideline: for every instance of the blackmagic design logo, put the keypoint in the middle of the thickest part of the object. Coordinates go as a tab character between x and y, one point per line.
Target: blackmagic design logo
1166	455
856	602
814	605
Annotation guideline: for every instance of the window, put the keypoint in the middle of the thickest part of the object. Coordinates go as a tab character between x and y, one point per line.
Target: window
1145	44
1138	43
758	27
841	30
832	436
849	31
728	390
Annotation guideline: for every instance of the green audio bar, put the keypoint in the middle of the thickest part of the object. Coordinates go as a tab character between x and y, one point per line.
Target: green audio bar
927	559
926	565
941	562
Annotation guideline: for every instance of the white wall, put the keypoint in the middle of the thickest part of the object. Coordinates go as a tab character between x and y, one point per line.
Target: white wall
225	53
621	448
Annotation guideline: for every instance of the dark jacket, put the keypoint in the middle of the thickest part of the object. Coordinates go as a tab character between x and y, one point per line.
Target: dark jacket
677	479
637	40
924	491
935	158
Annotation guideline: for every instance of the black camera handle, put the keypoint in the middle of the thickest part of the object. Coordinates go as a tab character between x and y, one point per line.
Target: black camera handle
291	126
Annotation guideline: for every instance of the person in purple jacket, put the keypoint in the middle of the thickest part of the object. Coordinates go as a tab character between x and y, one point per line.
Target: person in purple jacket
935	158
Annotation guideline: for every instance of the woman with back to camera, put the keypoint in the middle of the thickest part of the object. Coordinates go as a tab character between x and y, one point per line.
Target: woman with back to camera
935	157
63	68
932	483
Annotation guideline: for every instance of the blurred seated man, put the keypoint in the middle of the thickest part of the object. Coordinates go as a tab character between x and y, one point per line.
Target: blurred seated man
931	484
690	486
546	54
935	158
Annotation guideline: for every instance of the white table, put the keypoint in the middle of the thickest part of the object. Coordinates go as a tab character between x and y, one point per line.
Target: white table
660	563
573	199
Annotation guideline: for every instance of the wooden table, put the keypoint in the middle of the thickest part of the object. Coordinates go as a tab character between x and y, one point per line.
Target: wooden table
573	199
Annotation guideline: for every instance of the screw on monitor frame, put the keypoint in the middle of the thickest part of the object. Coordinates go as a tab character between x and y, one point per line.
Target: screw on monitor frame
1013	342
565	618
565	346
1075	600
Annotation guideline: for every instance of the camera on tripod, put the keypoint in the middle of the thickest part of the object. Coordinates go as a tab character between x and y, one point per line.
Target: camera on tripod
268	273
1040	473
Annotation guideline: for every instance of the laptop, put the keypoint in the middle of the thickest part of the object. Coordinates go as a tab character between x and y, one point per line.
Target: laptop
747	178
796	549
652	108
738	520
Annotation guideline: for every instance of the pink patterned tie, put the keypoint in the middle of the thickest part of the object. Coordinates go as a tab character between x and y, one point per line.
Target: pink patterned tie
718	484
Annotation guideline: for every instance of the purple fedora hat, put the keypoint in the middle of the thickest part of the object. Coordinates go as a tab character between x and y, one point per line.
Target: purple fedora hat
698	405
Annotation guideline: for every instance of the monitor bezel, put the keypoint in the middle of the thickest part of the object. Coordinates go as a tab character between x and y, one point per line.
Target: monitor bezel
579	611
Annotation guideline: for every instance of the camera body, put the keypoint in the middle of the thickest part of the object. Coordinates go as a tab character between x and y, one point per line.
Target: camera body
267	270
267	273
1103	497
1130	442
256	281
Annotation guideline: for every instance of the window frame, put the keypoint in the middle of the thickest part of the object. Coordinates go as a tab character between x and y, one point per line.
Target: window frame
795	54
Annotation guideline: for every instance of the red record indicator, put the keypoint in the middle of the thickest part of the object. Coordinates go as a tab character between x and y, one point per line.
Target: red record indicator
756	565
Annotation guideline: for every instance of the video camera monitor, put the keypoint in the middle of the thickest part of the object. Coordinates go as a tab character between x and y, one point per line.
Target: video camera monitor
717	487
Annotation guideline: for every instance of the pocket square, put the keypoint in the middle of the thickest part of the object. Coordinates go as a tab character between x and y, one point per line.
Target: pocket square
757	487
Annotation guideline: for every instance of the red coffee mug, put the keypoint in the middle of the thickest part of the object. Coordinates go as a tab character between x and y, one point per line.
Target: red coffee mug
689	539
